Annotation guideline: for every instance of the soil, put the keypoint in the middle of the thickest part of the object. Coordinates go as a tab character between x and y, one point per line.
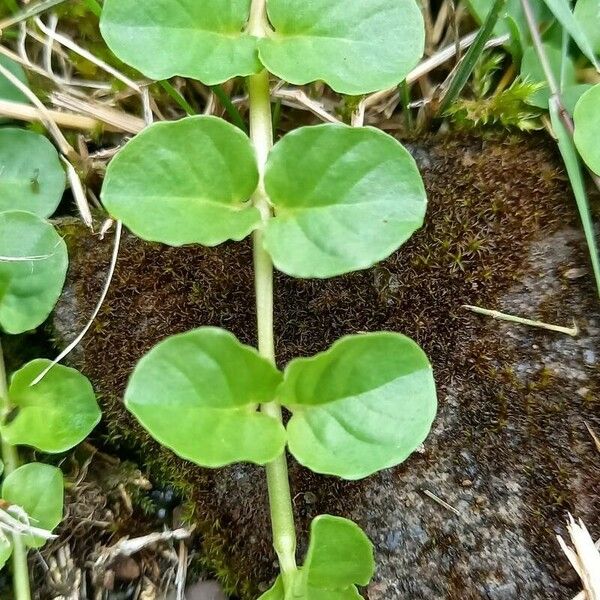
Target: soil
509	451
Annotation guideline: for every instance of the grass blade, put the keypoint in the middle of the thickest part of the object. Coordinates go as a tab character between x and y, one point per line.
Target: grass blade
562	11
574	171
471	57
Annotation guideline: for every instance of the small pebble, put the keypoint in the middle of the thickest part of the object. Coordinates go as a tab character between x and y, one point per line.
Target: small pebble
127	569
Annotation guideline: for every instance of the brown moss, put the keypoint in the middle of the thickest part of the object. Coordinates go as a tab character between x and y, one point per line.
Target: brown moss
489	199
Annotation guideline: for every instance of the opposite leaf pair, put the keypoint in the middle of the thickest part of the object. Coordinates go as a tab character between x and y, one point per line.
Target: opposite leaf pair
355	47
364	405
344	198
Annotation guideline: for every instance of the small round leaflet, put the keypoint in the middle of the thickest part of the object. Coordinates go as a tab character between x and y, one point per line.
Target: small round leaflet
198	392
185	182
31	176
355	47
339	557
199	39
344	198
33	266
53	415
363	405
587	128
38	490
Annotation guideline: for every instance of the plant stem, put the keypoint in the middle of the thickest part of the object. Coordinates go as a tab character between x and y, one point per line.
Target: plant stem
261	134
11	462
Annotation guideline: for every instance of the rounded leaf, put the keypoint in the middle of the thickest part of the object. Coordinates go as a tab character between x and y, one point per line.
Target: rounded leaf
197	393
587	128
185	182
55	414
363	405
38	490
5	549
31	176
355	47
587	14
33	266
345	198
8	91
163	38
339	554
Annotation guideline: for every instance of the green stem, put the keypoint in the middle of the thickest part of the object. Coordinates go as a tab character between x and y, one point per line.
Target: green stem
261	134
11	462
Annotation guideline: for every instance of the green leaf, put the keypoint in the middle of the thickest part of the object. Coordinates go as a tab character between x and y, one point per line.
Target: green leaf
33	266
5	549
197	393
8	91
355	47
339	554
31	176
38	490
562	11
164	38
587	128
55	414
363	405
572	164
276	592
587	15
345	198
185	182
531	70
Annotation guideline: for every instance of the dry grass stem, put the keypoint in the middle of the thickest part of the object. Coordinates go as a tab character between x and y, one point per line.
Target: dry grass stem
572	331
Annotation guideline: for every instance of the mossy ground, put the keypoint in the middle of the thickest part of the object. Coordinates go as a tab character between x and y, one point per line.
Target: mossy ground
489	201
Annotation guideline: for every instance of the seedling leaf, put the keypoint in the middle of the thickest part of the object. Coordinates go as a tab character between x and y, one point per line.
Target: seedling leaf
345	198
31	176
339	556
5	549
55	414
33	265
164	38
587	15
38	490
562	11
8	91
363	405
355	47
587	128
185	182
197	393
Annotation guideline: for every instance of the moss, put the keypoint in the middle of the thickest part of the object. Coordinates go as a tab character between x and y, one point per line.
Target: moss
489	199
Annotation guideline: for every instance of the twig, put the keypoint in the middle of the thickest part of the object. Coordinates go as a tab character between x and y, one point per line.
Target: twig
594	436
300	97
109	277
584	557
442	502
78	194
29	12
572	331
69	43
115	119
431	63
45	115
